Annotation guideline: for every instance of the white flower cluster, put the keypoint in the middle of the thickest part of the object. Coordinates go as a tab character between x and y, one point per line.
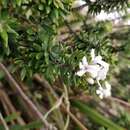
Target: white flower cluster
97	70
79	3
104	92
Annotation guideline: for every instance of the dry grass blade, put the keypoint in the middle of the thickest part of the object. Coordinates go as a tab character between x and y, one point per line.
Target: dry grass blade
123	103
45	84
3	122
8	106
31	105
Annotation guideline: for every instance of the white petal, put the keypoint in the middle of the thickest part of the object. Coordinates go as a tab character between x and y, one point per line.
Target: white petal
78	3
104	64
98	91
84	11
93	1
97	60
107	93
107	85
93	70
92	54
104	92
81	66
84	61
101	96
81	73
101	74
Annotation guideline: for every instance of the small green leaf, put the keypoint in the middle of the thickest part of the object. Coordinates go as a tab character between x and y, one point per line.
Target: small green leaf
12	117
19	2
4	36
40	7
23	73
10	30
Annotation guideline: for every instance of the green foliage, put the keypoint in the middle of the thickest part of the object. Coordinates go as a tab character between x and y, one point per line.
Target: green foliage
11	117
29	126
95	116
7	26
45	55
29	31
29	41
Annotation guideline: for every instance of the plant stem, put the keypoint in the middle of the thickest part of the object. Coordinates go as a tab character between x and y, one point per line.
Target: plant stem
45	84
16	86
3	122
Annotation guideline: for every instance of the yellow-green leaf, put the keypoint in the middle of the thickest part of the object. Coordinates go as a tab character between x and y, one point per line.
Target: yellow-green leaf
4	36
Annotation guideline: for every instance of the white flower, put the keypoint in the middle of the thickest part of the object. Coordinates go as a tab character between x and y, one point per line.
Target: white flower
82	65
104	67
93	1
92	70
97	69
78	3
104	92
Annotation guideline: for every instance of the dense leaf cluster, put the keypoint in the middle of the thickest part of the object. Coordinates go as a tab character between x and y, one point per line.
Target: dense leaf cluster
28	37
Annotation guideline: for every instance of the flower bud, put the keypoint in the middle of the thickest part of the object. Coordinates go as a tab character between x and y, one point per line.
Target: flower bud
90	81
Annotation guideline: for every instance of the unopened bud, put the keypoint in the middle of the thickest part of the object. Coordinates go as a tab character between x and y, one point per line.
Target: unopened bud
90	81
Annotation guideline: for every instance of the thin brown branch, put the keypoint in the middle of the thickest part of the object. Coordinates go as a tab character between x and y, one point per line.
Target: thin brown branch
45	84
123	103
9	106
30	104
